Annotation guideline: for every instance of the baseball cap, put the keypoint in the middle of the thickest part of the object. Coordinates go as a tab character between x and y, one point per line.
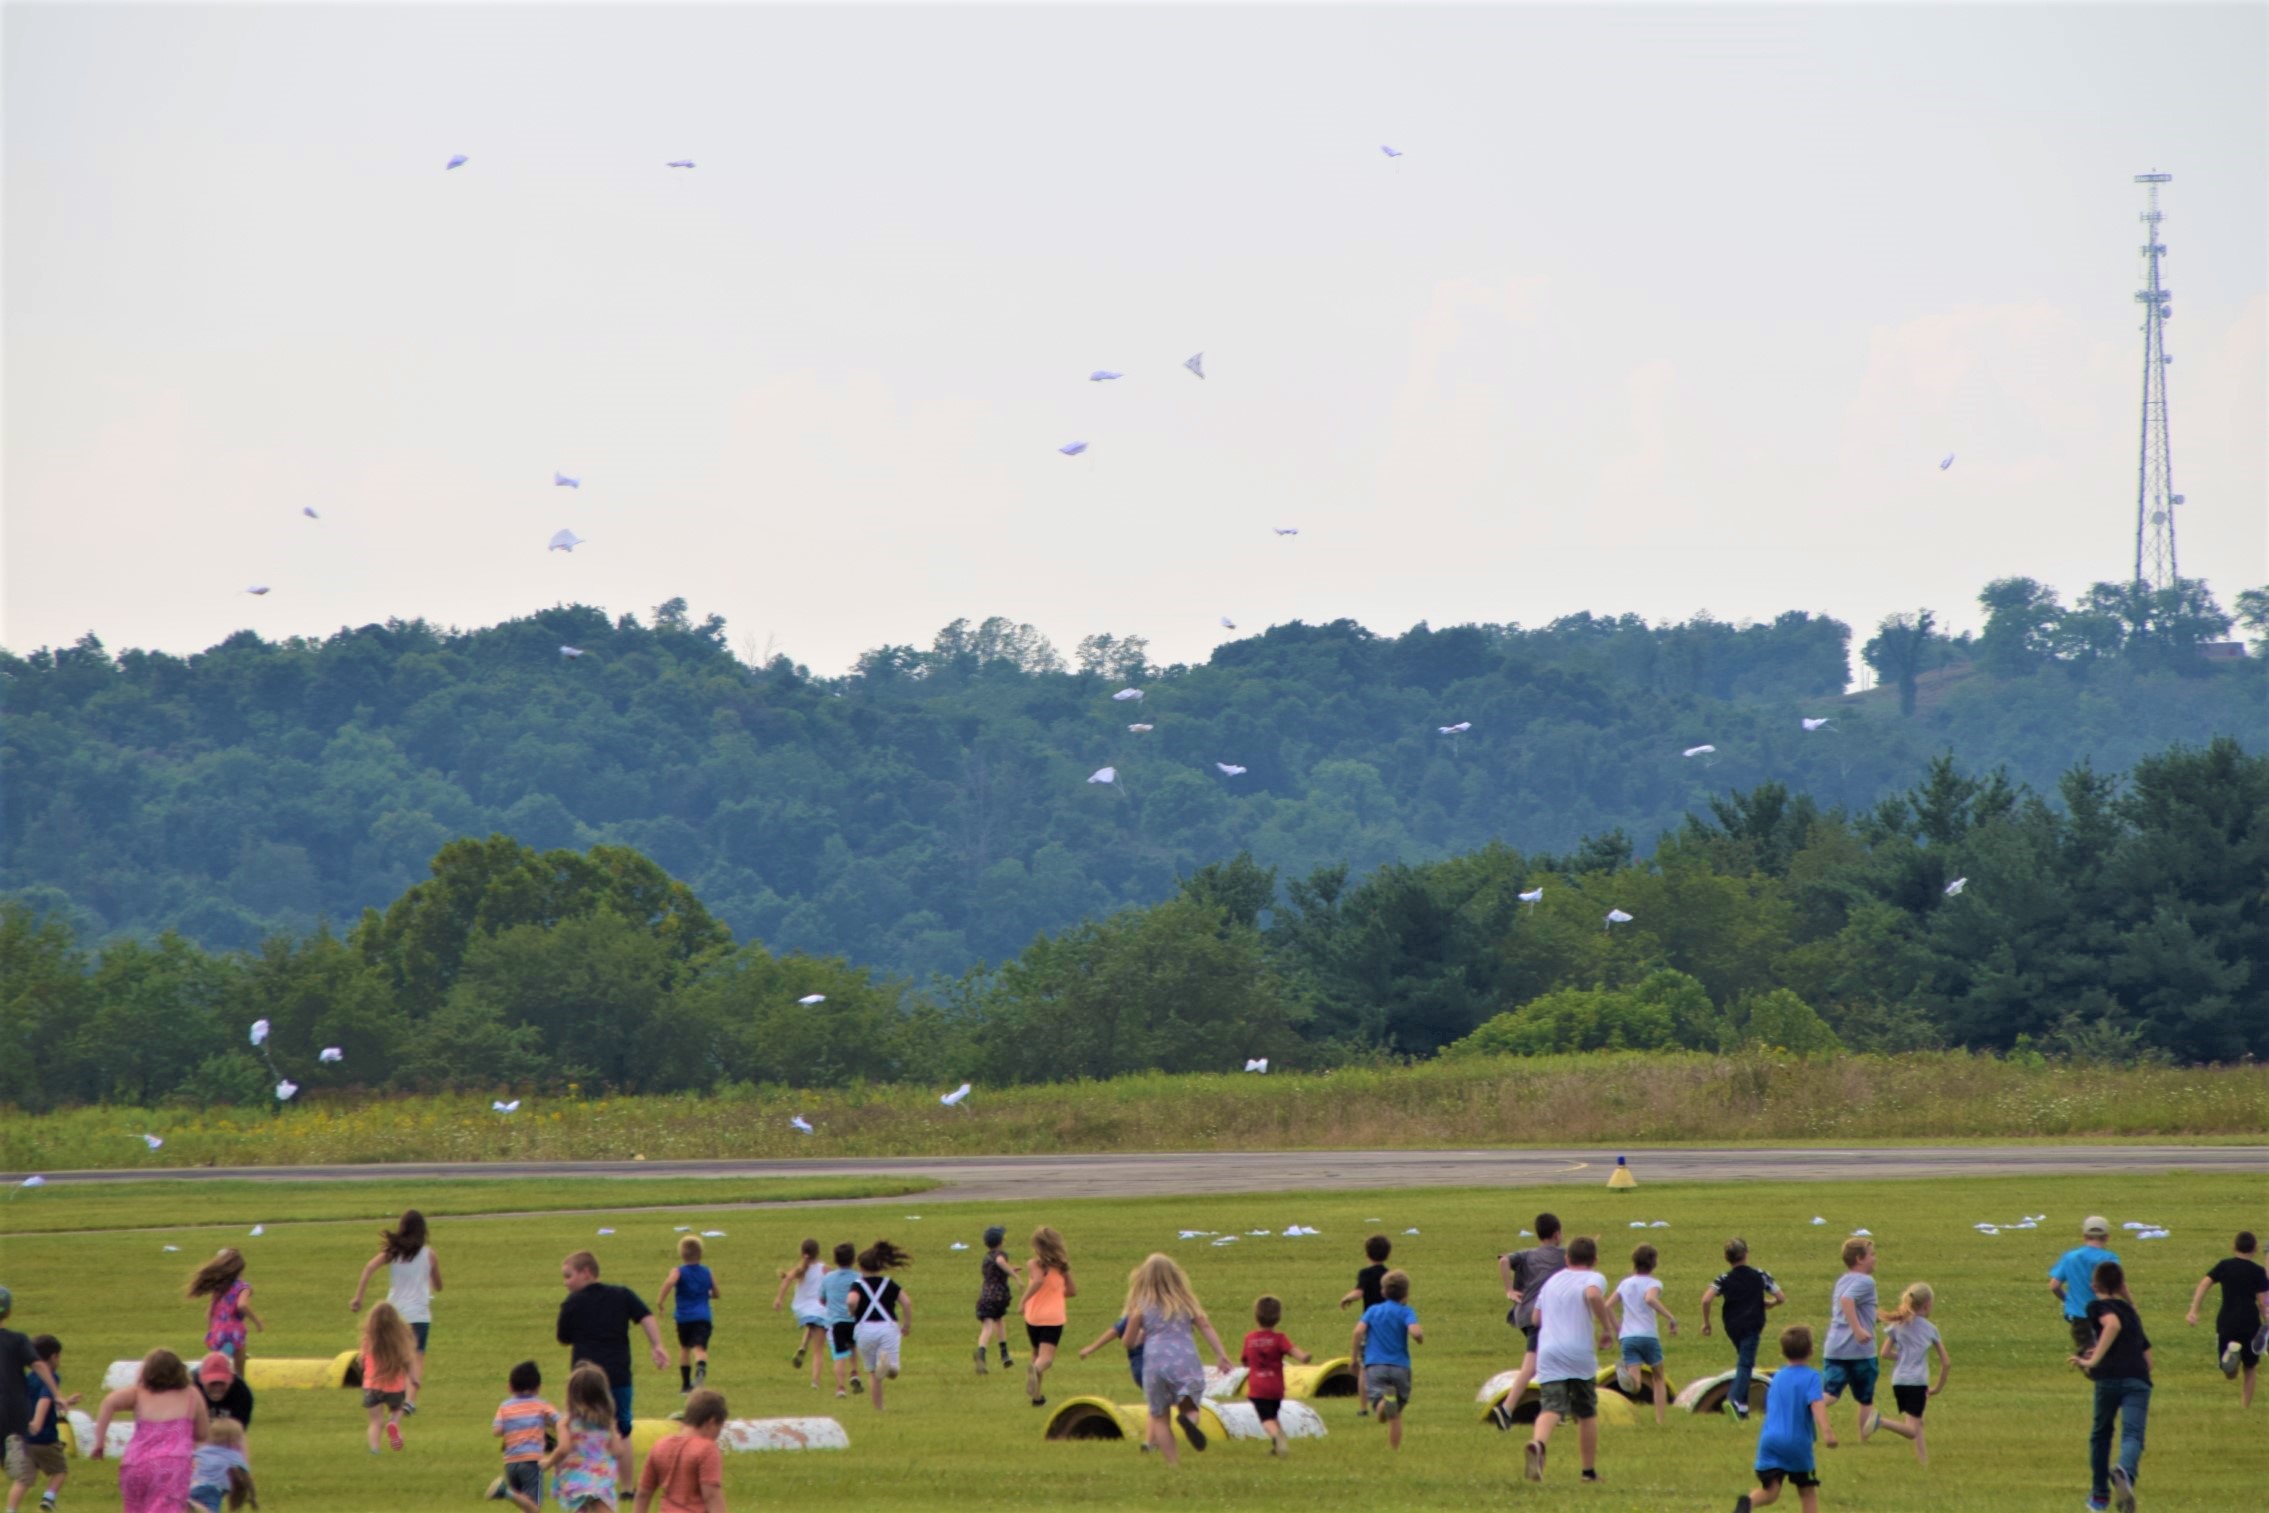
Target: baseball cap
2096	1224
216	1368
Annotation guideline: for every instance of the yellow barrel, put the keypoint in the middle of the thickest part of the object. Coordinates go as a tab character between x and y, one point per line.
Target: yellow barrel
270	1373
1100	1418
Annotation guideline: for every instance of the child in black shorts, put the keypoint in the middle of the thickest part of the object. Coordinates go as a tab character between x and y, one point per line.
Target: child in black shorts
1367	1292
1907	1335
1264	1354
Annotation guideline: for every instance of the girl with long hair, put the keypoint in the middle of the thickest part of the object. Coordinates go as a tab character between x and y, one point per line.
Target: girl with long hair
413	1276
805	1279
1048	1286
882	1313
389	1372
1164	1320
170	1422
222	1280
586	1463
1906	1334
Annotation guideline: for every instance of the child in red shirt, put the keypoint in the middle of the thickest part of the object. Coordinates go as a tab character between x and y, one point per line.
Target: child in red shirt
685	1468
1264	1355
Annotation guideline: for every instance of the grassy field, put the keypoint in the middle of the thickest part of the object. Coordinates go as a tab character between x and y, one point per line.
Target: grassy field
2009	1436
1616	1098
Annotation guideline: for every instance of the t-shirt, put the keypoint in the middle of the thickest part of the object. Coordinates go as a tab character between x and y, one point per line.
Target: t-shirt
1638	1313
1844	1343
1371	1282
2242	1283
2076	1269
594	1325
15	1364
35	1391
1784	1442
235	1403
522	1422
2125	1357
1263	1355
877	1301
1912	1340
680	1466
690	1304
1386	1341
1742	1292
835	1292
1134	1356
1565	1332
210	1466
1530	1268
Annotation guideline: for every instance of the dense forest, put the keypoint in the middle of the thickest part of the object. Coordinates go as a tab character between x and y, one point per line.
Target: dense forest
2127	919
931	809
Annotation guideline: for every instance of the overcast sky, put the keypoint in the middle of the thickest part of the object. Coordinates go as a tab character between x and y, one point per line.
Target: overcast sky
1662	310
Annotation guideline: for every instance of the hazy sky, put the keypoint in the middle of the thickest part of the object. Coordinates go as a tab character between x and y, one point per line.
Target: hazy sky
1663	310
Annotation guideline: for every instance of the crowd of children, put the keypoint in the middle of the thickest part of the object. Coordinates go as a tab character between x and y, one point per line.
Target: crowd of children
190	1449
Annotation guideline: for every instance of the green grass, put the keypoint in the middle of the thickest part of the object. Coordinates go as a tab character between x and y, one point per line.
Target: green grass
1618	1098
2009	1436
159	1204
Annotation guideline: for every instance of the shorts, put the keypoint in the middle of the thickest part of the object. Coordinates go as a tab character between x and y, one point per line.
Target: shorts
525	1477
1857	1374
878	1345
806	1321
1378	1381
390	1401
1265	1408
1037	1335
1575	1397
1911	1400
693	1334
624	1397
1770	1477
2083	1334
840	1340
49	1459
1529	1332
1642	1350
2248	1348
421	1329
989	1309
207	1498
16	1455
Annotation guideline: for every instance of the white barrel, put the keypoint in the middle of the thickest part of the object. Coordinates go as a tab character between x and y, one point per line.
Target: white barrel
1241	1420
751	1434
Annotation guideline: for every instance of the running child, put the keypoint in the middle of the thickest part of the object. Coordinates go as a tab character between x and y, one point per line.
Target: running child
2120	1365
221	1470
525	1422
1796	1411
43	1441
686	1468
835	1294
1048	1286
884	1311
389	1371
1264	1354
1851	1334
2244	1314
993	1276
1366	1292
413	1276
1382	1343
1908	1338
1568	1306
696	1289
805	1277
222	1280
1747	1293
1523	1273
588	1460
1118	1332
1639	1297
1164	1319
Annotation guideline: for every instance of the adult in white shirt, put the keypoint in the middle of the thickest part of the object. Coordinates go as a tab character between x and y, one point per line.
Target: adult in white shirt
413	1276
1568	1306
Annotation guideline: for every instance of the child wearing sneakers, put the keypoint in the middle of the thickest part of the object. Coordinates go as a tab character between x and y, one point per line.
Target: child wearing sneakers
834	1295
1264	1354
1367	1291
1851	1334
1382	1342
525	1422
1747	1293
1568	1306
696	1289
43	1442
1908	1338
389	1370
1796	1411
2244	1314
1639	1298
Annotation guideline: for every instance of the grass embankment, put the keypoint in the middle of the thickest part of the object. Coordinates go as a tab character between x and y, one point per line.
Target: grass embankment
1558	1100
151	1205
2008	1436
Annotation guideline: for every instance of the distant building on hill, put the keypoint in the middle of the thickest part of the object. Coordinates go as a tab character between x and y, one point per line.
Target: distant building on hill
2222	651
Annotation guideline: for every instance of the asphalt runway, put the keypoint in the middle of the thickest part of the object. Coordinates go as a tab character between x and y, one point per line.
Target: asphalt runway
997	1178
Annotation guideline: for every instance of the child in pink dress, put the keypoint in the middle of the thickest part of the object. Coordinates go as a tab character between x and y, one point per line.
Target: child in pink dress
170	1422
222	1280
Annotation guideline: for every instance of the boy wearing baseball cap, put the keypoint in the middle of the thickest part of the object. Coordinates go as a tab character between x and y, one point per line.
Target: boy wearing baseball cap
2072	1279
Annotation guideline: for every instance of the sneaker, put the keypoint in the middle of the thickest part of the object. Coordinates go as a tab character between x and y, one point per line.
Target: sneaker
1362	1410
1741	1504
839	1392
2230	1358
495	1492
1277	1447
1032	1381
408	1409
1501	1414
394	1435
1870	1419
1039	1402
796	1361
1533	1465
982	1368
890	1371
2122	1490
858	1388
1741	1413
2099	1505
1627	1378
1190	1429
1388	1408
701	1374
1590	1474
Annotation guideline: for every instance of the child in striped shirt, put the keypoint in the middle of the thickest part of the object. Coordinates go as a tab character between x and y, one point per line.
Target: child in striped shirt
526	1423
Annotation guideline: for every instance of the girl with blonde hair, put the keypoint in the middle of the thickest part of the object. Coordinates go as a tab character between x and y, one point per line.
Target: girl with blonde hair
1048	1286
389	1371
1906	1334
1164	1319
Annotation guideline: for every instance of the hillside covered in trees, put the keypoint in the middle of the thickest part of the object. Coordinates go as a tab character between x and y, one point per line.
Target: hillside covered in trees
931	809
2130	918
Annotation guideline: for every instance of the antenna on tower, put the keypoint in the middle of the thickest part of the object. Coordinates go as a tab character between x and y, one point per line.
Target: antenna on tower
2155	498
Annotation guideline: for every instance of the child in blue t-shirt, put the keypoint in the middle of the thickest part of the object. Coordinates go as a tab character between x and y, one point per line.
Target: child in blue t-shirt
1796	1409
696	1288
42	1442
1118	1331
835	1302
1384	1338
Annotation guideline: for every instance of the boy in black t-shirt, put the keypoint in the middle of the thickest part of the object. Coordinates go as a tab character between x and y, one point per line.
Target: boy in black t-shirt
2244	1315
1369	1290
2120	1365
1747	1293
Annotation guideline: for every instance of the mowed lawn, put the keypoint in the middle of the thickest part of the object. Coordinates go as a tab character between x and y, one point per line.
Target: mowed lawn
2009	1434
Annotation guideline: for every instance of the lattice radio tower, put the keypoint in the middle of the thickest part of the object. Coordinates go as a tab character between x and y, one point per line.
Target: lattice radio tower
2155	498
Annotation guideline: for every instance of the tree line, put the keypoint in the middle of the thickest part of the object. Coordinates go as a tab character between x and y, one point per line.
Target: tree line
2122	918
